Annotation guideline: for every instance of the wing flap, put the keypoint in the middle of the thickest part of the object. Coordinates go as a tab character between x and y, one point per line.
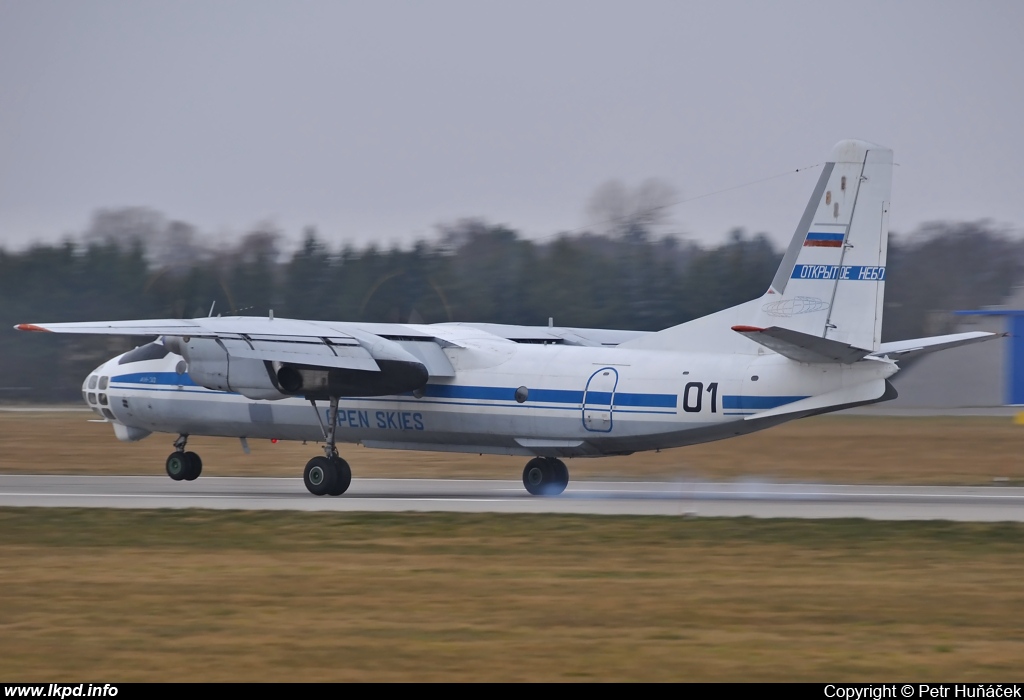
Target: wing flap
431	355
303	353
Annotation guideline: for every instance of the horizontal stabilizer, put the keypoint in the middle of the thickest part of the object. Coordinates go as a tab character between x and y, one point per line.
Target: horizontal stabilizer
803	347
906	349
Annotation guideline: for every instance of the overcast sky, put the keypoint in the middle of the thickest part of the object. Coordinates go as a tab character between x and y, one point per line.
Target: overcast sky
378	120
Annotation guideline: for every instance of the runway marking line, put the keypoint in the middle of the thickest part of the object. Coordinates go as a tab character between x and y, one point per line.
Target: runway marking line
256	497
662	495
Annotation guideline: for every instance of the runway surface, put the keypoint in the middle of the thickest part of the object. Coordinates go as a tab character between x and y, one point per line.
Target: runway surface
762	500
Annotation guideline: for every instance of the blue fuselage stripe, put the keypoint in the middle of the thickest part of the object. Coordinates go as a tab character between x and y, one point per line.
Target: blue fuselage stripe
757	402
145	380
163	380
654	400
555	396
155	378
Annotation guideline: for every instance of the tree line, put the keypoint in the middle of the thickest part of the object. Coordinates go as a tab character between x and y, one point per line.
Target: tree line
133	263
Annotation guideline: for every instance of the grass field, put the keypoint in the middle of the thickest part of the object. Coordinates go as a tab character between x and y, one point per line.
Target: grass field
837	449
200	595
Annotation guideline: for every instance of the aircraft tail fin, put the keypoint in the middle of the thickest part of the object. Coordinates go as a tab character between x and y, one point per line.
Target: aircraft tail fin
831	282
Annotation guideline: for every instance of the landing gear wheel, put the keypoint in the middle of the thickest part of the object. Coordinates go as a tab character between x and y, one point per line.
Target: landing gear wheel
320	476
537	475
329	475
561	476
342	476
195	466
545	476
178	466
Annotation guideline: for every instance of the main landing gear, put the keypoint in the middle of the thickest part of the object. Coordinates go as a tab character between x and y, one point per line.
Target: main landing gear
329	475
545	476
182	464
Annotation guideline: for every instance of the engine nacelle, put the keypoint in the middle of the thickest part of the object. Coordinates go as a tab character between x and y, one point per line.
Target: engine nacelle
210	365
394	377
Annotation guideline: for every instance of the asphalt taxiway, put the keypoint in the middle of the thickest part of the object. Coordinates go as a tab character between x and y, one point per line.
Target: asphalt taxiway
699	499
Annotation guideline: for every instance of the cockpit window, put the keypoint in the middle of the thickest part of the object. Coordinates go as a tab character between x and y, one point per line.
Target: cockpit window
92	382
149	351
104	382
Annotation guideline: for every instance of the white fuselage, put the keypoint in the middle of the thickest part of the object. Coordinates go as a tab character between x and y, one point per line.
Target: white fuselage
505	398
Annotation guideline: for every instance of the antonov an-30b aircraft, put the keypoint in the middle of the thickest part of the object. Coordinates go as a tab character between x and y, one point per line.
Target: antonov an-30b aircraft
810	345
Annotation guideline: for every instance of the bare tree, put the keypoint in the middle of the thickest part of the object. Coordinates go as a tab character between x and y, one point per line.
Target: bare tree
176	251
631	213
126	227
169	246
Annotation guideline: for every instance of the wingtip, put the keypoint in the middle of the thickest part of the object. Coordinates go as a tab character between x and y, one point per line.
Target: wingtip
30	327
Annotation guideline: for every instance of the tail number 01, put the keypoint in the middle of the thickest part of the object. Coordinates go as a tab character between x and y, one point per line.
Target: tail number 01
693	397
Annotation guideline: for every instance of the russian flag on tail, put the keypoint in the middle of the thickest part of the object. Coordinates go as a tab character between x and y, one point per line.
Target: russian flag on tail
824	240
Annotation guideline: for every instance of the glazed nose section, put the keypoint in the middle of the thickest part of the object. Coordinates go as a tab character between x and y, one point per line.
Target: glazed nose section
94	391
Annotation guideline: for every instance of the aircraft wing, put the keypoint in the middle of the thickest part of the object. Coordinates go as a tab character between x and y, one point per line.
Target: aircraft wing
325	344
162	326
557	335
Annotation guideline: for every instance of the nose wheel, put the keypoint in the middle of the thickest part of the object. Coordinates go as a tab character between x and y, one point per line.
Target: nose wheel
545	476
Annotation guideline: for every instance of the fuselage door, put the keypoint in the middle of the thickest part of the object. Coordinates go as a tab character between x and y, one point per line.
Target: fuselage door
599	400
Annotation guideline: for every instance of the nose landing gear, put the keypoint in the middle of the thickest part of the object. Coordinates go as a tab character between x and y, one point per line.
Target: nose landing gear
181	464
545	476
